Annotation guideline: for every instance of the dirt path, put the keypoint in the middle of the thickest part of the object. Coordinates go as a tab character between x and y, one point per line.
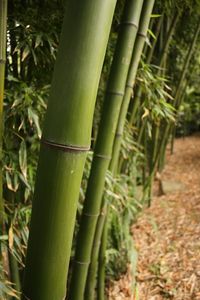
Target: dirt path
167	235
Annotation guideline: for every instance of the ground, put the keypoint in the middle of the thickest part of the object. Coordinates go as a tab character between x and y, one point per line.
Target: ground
167	235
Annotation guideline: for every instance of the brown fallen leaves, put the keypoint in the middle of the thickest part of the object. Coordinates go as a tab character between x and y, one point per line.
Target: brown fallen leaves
167	235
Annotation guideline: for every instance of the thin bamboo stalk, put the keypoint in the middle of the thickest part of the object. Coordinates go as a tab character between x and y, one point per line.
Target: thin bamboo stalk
102	262
153	159
164	52
152	48
3	28
186	64
104	144
179	103
169	38
65	141
146	46
95	262
14	273
137	52
154	156
169	127
139	44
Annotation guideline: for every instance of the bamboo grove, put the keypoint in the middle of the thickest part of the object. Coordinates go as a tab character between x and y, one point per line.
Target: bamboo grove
92	95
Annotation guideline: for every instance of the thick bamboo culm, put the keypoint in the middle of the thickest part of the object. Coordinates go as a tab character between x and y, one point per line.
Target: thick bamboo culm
65	141
104	144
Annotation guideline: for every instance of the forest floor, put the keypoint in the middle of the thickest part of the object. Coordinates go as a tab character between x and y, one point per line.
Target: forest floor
167	235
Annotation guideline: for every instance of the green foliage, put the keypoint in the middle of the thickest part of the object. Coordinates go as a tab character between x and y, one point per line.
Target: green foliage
18	231
33	40
168	6
124	208
189	113
24	109
33	37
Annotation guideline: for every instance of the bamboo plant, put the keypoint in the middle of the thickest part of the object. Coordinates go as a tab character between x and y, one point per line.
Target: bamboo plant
138	47
182	77
168	38
103	149
151	50
3	30
169	128
64	144
154	153
3	25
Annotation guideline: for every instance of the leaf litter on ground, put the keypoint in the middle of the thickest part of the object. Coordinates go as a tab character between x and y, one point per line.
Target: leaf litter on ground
167	235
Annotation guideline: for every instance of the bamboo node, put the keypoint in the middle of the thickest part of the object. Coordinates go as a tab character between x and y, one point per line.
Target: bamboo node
90	215
115	93
129	23
103	156
82	262
129	85
65	148
142	35
118	134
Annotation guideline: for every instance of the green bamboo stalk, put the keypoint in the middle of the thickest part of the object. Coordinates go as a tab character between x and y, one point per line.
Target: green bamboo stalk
155	154
146	46
137	52
65	141
104	144
92	272
169	128
152	48
164	52
186	64
179	103
153	159
139	44
163	146
141	131
169	38
14	273
102	261
3	28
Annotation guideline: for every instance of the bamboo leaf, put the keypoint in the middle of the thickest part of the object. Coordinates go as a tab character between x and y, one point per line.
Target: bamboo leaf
33	118
9	182
152	34
23	159
34	56
25	53
38	41
146	113
3	237
10	237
